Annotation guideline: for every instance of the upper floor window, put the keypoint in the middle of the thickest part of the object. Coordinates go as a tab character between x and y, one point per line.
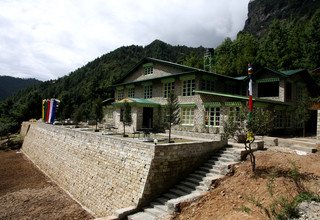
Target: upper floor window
131	92
288	91
299	93
120	94
188	87
148	91
268	89
167	89
207	85
148	68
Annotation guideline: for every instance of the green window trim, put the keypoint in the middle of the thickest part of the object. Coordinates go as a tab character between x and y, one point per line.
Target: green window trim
168	80
187	105
131	86
209	78
268	80
187	77
233	104
212	104
147	65
146	83
119	87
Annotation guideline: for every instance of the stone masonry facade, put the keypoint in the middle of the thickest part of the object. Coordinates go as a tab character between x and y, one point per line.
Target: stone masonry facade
106	173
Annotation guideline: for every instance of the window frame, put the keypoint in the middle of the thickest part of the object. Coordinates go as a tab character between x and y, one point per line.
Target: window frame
211	117
188	87
187	116
167	89
131	92
147	92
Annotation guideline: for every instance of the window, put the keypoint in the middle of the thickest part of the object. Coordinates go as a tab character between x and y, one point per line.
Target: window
148	70
299	93
279	120
131	92
187	116
234	114
109	113
188	87
148	92
268	89
212	117
288	91
167	88
207	85
165	115
120	94
288	120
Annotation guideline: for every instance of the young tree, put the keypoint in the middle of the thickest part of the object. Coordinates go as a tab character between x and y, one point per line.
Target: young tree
302	113
97	111
261	123
126	116
173	112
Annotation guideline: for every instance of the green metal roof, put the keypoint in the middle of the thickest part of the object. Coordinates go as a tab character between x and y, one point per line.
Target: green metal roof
240	97
291	72
137	102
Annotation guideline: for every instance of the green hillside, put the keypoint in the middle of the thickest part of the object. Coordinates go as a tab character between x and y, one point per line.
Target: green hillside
287	44
78	90
10	85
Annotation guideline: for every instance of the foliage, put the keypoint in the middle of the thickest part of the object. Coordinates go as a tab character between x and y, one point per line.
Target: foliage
10	85
126	117
301	112
261	123
97	111
287	45
172	109
78	90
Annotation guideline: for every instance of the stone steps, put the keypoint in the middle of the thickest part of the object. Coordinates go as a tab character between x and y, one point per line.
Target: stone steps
191	187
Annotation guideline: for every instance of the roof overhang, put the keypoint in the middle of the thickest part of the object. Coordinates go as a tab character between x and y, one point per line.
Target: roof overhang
242	98
136	102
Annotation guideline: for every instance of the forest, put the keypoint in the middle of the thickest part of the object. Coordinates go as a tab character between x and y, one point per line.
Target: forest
286	45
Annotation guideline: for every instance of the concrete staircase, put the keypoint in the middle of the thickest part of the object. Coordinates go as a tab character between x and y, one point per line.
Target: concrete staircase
192	187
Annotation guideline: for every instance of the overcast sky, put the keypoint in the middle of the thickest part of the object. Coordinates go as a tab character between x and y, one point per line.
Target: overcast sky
46	39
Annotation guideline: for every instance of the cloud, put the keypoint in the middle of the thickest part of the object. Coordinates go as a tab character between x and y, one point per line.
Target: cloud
49	39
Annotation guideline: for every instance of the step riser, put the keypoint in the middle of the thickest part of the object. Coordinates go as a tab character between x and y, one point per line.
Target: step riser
198	182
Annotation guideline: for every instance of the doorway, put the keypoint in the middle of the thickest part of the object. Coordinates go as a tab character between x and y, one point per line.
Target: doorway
147	118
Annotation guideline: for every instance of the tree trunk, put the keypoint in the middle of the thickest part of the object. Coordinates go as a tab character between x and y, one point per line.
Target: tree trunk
304	129
124	129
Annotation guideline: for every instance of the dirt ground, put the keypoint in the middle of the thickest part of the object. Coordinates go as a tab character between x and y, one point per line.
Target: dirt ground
238	196
26	193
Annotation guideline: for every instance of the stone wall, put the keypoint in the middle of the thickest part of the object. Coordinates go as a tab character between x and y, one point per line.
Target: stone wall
107	173
25	128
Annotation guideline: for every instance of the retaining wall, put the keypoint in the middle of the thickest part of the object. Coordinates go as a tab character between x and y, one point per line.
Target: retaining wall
107	173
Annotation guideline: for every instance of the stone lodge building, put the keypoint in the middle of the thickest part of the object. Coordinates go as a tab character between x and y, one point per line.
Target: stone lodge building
205	98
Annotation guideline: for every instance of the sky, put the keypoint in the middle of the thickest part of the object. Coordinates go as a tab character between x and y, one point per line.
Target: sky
47	39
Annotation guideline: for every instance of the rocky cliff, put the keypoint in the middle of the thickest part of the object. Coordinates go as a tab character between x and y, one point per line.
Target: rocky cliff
262	12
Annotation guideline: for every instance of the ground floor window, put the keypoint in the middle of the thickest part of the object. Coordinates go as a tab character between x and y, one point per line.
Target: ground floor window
283	119
187	116
234	114
165	115
212	118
